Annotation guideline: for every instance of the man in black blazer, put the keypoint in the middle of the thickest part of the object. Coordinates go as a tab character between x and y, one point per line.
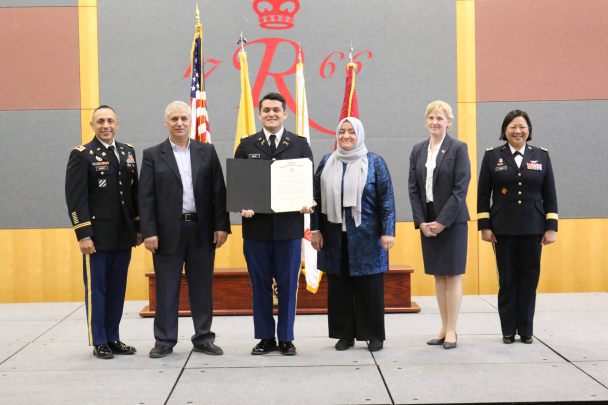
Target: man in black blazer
272	242
101	194
182	199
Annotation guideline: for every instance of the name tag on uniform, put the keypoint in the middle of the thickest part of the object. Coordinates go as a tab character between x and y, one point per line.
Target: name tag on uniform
498	169
254	156
103	183
534	166
100	168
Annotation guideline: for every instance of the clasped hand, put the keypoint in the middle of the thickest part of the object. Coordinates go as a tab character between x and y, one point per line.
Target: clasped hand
431	229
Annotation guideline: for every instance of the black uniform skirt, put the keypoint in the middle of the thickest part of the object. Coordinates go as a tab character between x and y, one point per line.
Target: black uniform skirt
446	253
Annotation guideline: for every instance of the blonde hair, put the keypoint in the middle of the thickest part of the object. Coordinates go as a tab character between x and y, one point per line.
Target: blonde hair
440	106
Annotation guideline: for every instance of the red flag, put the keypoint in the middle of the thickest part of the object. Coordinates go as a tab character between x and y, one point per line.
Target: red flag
349	105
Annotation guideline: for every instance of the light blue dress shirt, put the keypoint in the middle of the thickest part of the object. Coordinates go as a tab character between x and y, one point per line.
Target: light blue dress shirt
184	164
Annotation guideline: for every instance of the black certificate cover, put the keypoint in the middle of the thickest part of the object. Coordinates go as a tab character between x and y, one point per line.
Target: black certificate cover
248	185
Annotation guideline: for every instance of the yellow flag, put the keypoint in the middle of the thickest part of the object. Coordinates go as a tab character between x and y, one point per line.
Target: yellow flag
246	123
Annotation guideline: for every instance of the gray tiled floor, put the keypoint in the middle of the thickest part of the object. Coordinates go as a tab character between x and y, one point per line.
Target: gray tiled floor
44	358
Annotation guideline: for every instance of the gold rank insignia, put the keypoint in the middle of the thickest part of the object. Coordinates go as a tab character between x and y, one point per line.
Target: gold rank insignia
489	149
129	145
91	152
103	153
80	148
544	149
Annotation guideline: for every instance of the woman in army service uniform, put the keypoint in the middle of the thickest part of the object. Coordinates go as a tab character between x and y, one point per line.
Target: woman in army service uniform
518	178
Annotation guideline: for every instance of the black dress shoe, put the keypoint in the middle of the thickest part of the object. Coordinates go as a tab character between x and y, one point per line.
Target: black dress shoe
508	339
450	345
344	344
103	352
265	346
119	347
209	348
526	339
160	351
375	345
435	342
287	349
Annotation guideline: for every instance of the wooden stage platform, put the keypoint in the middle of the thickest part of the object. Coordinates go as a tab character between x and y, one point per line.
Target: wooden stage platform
232	293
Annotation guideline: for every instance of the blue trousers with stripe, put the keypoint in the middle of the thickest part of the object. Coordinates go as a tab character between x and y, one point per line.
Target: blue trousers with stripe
281	260
105	283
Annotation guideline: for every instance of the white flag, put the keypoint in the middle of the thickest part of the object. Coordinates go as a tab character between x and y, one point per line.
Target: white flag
313	275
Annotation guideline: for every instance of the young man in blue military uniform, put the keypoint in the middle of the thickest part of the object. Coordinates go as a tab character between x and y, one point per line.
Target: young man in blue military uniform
272	242
101	194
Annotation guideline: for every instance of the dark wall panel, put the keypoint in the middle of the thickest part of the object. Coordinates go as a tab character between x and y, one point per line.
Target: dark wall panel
574	132
34	156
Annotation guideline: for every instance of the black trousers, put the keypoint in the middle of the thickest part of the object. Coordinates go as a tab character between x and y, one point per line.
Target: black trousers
355	304
518	261
199	275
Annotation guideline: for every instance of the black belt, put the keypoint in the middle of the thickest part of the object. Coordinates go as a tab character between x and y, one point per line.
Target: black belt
190	217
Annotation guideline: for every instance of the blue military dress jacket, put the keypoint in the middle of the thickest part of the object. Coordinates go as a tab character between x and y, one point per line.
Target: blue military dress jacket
366	255
515	200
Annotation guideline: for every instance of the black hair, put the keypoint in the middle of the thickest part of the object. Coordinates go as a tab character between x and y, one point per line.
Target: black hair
273	96
510	117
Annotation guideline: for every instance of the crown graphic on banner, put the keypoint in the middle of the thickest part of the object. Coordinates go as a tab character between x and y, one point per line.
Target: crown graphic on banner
278	17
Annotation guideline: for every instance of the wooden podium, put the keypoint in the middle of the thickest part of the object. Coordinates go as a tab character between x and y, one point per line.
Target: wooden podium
232	293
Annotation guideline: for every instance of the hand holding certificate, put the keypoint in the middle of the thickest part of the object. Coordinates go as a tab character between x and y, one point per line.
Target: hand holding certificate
269	186
290	185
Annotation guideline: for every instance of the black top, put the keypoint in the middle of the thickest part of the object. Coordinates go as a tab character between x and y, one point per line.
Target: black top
524	201
285	225
101	194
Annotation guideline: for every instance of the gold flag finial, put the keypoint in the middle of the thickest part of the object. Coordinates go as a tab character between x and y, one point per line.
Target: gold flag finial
198	16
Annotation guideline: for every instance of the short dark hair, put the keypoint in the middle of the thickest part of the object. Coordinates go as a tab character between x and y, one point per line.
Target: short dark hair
273	96
101	107
510	117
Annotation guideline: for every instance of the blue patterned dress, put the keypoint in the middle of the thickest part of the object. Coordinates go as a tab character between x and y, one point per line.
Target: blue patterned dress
366	255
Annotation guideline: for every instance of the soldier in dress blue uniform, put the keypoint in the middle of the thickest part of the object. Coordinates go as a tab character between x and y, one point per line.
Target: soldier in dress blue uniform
101	194
272	242
522	217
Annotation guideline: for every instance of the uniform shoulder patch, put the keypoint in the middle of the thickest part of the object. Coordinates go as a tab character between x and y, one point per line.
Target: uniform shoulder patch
245	136
129	145
80	148
544	149
489	149
301	136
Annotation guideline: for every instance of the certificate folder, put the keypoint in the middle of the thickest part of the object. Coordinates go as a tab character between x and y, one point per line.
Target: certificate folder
248	185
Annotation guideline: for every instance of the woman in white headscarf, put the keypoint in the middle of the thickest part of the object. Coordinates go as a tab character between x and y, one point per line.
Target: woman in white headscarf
353	232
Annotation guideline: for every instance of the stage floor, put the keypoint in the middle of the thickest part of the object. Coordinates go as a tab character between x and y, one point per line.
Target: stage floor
45	359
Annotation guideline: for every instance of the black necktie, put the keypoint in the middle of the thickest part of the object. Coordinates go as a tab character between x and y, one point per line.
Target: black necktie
272	143
111	148
517	153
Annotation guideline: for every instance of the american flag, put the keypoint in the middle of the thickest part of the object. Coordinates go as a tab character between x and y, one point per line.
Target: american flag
198	100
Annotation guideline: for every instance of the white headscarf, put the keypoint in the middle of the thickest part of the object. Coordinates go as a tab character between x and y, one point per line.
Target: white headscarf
354	177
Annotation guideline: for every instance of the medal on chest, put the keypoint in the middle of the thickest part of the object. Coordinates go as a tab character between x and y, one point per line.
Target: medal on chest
534	165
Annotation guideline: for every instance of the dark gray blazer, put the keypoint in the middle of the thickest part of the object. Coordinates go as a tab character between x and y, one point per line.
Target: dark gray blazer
451	179
161	195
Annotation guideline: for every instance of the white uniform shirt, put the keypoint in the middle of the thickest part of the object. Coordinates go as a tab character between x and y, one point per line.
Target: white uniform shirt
518	159
431	162
279	134
107	145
